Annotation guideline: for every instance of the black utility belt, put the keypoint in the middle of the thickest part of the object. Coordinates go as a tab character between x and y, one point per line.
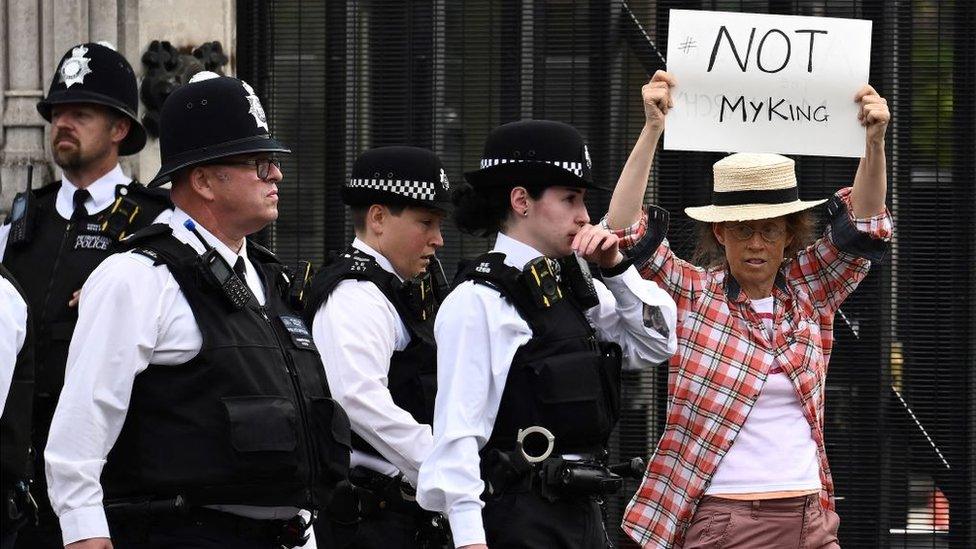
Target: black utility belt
560	478
368	493
377	492
134	520
19	508
553	477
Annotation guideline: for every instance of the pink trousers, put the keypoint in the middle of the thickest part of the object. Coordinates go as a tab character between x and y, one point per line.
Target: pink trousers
789	523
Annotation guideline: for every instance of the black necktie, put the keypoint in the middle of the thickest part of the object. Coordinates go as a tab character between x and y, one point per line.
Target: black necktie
80	196
240	268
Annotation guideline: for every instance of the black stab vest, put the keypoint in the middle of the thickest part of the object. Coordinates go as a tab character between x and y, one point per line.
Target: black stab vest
563	378
15	425
247	421
412	379
55	263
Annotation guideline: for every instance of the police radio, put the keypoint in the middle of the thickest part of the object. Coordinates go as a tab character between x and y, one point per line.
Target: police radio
576	273
216	270
439	278
21	218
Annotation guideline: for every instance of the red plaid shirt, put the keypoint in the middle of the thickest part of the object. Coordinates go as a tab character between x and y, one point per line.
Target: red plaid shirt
724	355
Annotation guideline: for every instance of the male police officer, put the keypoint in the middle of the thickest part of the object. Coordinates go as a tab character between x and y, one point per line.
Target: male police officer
58	234
16	391
189	377
373	323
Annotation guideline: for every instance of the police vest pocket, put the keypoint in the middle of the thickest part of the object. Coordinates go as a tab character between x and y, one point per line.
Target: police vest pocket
262	423
333	437
61	331
572	403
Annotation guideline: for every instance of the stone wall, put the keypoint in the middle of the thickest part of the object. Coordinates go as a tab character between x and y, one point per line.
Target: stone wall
34	34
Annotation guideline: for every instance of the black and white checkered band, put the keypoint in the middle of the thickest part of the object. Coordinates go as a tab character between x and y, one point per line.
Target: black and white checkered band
575	167
417	190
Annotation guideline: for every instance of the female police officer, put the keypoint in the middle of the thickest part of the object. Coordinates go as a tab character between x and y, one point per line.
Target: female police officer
371	310
521	358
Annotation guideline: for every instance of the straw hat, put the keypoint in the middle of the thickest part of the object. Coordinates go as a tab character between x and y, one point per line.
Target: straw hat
752	186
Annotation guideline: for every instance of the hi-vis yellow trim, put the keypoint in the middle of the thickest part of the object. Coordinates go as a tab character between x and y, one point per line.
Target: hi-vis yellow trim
304	277
545	300
115	206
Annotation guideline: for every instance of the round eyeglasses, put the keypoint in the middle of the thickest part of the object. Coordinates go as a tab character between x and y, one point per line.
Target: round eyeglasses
744	231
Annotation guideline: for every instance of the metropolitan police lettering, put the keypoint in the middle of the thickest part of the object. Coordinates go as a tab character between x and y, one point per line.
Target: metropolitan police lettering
90	237
298	332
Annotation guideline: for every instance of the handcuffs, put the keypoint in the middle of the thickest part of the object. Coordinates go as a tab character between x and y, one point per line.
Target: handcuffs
535	429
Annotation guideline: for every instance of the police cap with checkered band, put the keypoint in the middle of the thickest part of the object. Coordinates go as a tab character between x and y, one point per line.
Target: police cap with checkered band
398	175
211	117
96	73
534	153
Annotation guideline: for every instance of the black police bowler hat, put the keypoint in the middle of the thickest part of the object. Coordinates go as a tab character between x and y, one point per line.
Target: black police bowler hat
93	73
210	117
534	153
398	175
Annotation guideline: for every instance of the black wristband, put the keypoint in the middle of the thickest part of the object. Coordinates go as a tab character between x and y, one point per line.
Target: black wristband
617	269
850	240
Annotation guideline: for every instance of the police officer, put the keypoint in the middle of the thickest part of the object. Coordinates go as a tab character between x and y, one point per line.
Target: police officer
189	377
373	310
529	351
57	234
16	392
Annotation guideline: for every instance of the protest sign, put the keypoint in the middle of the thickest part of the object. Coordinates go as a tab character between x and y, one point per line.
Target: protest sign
766	83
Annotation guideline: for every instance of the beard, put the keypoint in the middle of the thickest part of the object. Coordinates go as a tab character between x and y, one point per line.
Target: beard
76	157
71	159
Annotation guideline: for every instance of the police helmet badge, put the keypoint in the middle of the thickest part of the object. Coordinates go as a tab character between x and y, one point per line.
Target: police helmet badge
444	182
75	68
256	110
586	154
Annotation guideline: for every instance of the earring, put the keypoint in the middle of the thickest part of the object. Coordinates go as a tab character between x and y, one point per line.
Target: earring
525	213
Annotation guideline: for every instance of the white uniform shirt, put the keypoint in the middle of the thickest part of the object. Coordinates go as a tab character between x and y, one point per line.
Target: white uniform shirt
102	196
131	314
13	331
356	331
478	333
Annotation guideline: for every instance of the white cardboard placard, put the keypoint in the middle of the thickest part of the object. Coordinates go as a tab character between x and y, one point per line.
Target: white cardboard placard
766	83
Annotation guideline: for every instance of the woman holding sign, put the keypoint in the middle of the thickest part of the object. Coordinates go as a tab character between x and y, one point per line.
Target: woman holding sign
741	462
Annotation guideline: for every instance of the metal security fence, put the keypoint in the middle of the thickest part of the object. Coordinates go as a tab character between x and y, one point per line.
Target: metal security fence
341	76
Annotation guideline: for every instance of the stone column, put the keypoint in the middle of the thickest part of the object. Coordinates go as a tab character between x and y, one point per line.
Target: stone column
22	129
34	34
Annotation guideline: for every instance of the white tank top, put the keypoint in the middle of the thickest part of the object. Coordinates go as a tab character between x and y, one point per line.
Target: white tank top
774	451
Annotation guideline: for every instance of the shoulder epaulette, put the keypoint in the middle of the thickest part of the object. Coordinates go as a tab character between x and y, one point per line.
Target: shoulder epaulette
145	234
261	254
137	191
156	242
491	270
347	264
